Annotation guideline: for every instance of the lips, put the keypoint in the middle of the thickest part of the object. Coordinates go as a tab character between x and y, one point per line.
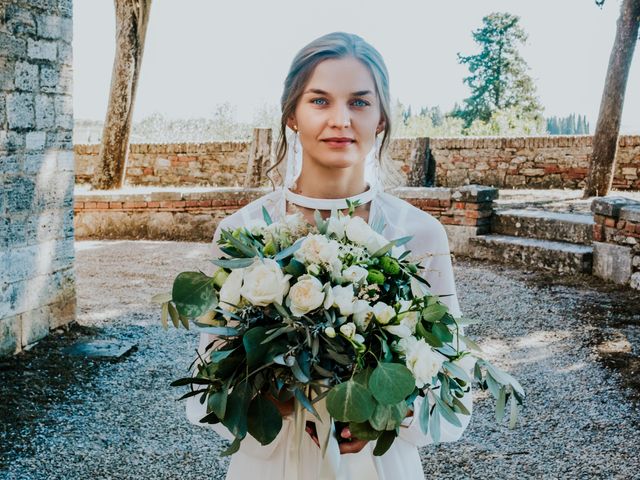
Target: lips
338	142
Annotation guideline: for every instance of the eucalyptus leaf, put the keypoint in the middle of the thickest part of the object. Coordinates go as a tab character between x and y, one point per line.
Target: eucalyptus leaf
264	420
423	415
446	412
233	448
256	350
221	331
434	425
391	383
434	313
217	402
266	216
500	405
193	294
350	402
237	408
288	251
456	370
164	315
160	298
384	442
175	316
233	263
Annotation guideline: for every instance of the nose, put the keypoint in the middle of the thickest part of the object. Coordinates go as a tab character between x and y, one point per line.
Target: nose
340	117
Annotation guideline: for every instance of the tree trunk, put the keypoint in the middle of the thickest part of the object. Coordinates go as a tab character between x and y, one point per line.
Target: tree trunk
132	18
605	139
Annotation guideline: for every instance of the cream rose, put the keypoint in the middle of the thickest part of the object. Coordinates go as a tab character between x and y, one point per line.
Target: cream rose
230	291
337	225
362	314
424	362
383	313
355	274
317	249
357	230
264	283
305	295
343	299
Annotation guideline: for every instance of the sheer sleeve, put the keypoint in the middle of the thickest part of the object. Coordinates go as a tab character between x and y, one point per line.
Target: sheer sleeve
196	410
431	242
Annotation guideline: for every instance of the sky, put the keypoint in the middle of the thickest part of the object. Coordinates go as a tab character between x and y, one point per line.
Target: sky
200	53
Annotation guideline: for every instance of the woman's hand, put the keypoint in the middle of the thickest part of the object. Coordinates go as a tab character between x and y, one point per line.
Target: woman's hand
352	445
285	408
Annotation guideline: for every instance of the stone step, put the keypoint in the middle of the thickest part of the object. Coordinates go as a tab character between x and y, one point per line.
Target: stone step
561	257
544	225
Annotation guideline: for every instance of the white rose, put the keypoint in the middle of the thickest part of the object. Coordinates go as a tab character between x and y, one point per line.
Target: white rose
355	274
343	299
305	295
230	291
362	314
358	231
337	225
401	331
375	242
408	319
264	283
424	362
383	312
348	329
318	249
328	296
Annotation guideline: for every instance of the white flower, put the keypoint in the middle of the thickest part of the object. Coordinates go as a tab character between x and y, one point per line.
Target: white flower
362	314
405	344
375	242
343	299
355	274
337	224
424	362
330	332
383	312
319	249
230	291
401	331
348	329
358	338
328	296
305	295
408	319
357	230
264	283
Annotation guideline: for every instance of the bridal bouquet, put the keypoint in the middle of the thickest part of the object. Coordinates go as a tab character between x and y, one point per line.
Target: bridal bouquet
332	313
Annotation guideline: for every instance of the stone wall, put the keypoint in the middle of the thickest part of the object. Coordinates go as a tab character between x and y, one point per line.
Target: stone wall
37	282
522	162
529	162
224	164
616	235
194	216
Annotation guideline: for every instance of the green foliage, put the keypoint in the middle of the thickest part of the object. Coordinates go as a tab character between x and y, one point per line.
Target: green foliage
498	74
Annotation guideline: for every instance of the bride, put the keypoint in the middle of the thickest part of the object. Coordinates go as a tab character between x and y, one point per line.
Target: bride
336	102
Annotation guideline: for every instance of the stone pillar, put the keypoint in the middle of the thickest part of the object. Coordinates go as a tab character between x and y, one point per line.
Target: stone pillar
259	158
616	234
37	282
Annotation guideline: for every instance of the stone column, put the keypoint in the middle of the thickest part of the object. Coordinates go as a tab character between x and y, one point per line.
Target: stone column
37	282
616	234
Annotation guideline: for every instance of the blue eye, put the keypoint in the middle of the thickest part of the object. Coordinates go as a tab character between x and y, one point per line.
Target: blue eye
313	101
365	103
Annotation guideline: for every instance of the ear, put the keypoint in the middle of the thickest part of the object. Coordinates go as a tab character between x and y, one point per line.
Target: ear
291	121
381	125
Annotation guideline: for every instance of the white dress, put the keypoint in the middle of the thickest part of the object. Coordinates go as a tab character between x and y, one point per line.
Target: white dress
401	461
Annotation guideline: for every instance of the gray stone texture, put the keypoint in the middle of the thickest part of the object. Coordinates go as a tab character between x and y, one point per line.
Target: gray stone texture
612	262
37	279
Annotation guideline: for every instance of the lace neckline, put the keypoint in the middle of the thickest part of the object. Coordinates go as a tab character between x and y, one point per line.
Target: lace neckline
329	203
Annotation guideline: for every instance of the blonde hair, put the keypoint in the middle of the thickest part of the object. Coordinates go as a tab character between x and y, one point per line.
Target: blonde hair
331	45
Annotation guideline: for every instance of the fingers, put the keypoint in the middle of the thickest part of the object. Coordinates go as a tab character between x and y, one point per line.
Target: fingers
352	447
345	433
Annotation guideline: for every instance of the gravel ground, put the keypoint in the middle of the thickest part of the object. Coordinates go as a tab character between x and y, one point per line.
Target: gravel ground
572	343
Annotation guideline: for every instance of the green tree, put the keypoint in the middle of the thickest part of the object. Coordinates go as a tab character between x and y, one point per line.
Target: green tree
499	78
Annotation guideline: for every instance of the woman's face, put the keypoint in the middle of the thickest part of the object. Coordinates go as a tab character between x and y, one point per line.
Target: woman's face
339	101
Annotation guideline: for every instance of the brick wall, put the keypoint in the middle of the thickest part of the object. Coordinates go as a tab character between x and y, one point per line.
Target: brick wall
529	162
616	236
37	283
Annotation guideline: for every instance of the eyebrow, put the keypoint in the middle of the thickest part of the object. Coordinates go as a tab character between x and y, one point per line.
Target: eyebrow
359	93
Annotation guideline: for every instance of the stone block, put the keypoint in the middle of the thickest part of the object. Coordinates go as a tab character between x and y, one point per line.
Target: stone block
49	26
10	335
44	111
26	76
35	325
609	205
18	20
42	50
20	110
634	282
35	140
474	193
612	262
12	46
49	78
631	213
459	236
